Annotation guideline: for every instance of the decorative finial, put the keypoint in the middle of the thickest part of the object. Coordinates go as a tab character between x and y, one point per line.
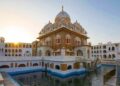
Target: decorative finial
49	21
62	8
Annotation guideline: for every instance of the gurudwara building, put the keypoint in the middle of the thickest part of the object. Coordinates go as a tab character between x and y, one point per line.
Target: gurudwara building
63	38
61	47
62	42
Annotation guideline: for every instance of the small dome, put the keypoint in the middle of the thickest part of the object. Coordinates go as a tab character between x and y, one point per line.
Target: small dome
48	25
77	24
62	16
79	27
46	28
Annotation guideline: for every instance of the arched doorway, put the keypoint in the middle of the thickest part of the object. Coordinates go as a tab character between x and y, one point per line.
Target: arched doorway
48	53
69	67
57	67
79	53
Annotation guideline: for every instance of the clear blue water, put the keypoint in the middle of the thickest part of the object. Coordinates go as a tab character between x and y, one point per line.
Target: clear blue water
44	79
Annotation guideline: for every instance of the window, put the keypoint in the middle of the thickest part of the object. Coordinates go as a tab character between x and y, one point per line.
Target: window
5	50
79	53
104	51
67	39
104	47
104	56
109	56
12	50
9	50
29	46
19	54
113	48
113	56
109	48
6	45
20	50
58	40
16	50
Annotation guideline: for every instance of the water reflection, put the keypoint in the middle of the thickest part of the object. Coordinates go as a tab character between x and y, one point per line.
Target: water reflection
42	79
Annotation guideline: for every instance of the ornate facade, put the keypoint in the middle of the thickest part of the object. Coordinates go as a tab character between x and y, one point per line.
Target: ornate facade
63	37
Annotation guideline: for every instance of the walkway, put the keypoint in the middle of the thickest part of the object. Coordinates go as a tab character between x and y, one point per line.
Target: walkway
111	82
7	80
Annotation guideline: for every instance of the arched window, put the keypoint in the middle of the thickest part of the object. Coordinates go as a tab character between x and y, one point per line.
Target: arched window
58	39
48	41
16	50
57	67
109	56
79	53
104	51
20	50
5	50
113	48
69	67
77	41
68	38
109	48
113	56
104	56
12	50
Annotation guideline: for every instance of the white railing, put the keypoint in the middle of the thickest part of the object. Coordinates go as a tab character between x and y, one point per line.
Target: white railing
6	58
48	58
51	58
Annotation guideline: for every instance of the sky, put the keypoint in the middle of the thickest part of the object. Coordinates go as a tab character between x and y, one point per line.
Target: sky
22	20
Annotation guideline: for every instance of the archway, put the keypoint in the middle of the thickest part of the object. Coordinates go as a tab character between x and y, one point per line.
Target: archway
57	67
79	53
4	66
35	64
21	65
69	67
48	53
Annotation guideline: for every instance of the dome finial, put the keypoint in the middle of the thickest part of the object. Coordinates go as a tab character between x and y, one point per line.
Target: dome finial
62	8
49	21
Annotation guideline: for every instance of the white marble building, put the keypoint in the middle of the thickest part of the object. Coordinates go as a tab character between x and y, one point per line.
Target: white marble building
15	49
108	51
